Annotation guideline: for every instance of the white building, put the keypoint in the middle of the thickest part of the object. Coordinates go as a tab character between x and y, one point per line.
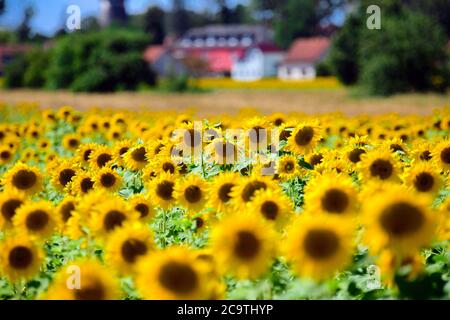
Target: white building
257	62
302	58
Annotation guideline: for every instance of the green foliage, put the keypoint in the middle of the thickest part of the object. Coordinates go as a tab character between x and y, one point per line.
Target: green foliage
37	62
407	54
14	73
298	19
107	60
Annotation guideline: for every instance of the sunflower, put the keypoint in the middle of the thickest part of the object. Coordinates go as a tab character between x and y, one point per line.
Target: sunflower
318	246
81	184
304	138
441	155
161	190
171	274
273	206
219	191
120	149
142	204
422	150
71	141
395	145
136	158
19	258
246	187
390	263
423	177
100	157
163	164
112	213
84	280
10	201
84	151
244	245
127	245
331	193
314	158
66	208
64	112
63	173
23	178
6	154
107	179
36	219
221	151
287	167
379	164
398	220
191	193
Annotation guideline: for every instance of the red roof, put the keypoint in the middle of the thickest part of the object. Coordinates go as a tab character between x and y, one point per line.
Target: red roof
307	49
269	47
152	53
219	59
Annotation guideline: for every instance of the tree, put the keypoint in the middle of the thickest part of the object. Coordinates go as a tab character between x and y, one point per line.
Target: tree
153	22
24	30
2	6
179	21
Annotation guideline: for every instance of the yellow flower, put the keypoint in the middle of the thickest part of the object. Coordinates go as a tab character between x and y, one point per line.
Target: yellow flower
127	245
81	184
100	157
6	154
142	204
304	138
84	280
246	187
136	158
171	274
108	179
398	220
317	246
191	193
219	191
287	167
10	201
441	155
19	258
63	174
331	193
161	190
379	164
423	177
23	178
244	245
71	141
37	219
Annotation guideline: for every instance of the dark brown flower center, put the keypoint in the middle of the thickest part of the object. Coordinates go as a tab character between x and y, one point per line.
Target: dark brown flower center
86	154
9	208
164	190
103	159
321	244
139	155
316	159
132	249
289	167
5	155
335	201
123	150
445	155
37	220
92	291
108	180
24	179
113	219
304	136
401	219
424	182
66	210
425	155
20	257
65	176
73	143
193	194
247	245
178	277
355	155
168	167
381	169
270	209
224	192
143	209
250	189
86	185
396	147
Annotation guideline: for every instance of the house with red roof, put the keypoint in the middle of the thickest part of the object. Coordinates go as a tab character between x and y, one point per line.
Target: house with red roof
302	58
257	62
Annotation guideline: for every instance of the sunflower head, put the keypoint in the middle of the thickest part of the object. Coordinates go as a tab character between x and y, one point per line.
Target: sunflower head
136	158
220	191
161	190
36	219
191	193
108	179
380	164
10	202
23	178
304	138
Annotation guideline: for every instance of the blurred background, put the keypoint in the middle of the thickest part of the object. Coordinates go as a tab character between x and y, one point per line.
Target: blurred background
310	54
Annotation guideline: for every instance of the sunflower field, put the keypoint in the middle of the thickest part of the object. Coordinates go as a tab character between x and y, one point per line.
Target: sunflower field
119	204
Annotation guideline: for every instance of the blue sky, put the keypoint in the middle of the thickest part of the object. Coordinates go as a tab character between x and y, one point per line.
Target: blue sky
50	14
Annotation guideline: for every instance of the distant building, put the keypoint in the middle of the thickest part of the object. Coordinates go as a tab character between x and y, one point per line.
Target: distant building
260	61
112	11
302	58
220	45
161	61
9	52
